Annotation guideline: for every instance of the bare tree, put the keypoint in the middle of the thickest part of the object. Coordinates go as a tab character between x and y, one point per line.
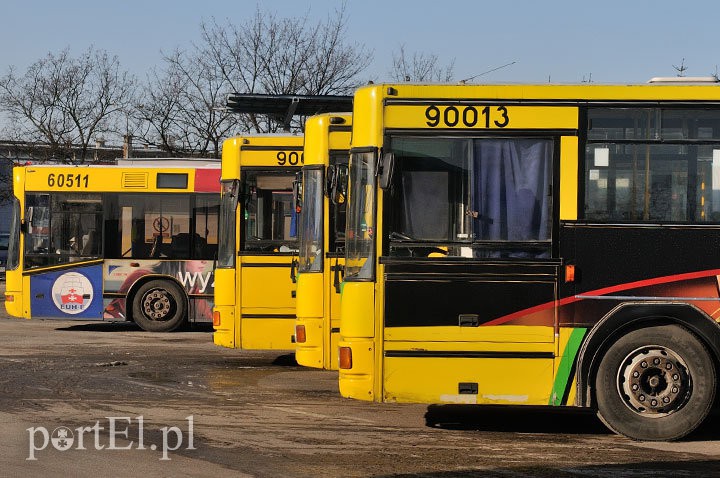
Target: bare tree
272	55
334	65
156	111
6	178
181	106
681	69
420	67
68	102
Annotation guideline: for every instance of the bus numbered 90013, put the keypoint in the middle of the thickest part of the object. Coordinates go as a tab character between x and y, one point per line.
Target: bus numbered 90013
134	241
536	245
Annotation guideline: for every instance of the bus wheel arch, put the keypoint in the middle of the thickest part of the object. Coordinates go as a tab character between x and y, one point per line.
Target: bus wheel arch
158	304
633	349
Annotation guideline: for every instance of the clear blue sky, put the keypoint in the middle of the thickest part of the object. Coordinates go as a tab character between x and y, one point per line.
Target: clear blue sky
564	41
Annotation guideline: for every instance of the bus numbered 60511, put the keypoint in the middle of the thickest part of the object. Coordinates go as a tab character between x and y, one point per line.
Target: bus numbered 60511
133	241
536	245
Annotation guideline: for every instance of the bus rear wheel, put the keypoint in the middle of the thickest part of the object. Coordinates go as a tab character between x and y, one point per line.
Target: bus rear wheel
656	383
159	306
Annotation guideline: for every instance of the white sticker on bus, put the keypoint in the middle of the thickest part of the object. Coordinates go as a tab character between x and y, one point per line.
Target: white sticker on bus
72	293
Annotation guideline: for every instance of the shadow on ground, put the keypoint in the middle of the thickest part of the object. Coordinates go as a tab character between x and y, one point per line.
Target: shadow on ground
127	327
653	469
286	360
503	418
566	420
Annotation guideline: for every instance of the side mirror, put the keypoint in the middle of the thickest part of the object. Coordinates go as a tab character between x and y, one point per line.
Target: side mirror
387	164
338	191
330	181
27	223
297	192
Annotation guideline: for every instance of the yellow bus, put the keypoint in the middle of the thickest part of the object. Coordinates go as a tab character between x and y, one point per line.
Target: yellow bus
322	239
254	290
133	241
536	245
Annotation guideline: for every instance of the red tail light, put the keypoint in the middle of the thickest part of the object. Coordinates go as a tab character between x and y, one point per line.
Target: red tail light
345	358
300	336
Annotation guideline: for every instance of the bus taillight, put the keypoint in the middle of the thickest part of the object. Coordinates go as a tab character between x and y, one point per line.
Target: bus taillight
300	336
569	273
216	318
345	358
9	298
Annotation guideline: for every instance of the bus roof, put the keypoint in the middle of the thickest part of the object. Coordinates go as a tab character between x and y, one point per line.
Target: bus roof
690	90
151	163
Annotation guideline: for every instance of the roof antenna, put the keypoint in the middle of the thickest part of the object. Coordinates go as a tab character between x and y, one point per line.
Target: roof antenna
486	72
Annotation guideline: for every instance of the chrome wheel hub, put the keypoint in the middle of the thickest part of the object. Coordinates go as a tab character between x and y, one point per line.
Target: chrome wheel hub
654	381
156	304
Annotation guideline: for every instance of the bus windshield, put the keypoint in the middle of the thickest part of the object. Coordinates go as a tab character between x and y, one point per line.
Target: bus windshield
311	221
226	242
269	218
338	202
468	197
62	228
360	236
13	257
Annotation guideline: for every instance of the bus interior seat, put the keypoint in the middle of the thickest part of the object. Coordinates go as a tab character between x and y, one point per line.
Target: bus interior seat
88	243
156	246
180	246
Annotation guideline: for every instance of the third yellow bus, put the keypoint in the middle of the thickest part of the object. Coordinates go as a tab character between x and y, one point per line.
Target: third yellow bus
322	239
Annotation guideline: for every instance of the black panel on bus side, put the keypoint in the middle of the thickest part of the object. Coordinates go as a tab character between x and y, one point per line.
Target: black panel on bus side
611	255
436	293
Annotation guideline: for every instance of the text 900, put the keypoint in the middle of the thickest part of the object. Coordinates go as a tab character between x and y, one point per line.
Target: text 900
292	158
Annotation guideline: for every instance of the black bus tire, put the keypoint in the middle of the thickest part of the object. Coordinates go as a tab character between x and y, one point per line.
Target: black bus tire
159	306
656	383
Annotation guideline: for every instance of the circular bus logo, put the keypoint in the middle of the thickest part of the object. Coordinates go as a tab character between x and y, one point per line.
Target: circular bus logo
72	293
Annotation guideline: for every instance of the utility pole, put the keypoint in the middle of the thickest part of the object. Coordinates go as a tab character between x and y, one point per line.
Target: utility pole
127	146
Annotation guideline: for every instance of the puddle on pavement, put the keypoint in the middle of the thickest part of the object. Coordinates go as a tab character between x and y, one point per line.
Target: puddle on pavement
157	376
226	379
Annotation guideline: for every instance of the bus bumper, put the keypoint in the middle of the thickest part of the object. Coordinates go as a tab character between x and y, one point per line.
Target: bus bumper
14	304
310	352
357	380
224	325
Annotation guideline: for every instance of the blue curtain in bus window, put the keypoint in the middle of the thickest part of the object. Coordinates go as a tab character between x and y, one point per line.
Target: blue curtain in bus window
293	221
512	182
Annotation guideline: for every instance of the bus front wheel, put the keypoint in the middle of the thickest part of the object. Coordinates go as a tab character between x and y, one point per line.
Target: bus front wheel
159	306
656	383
